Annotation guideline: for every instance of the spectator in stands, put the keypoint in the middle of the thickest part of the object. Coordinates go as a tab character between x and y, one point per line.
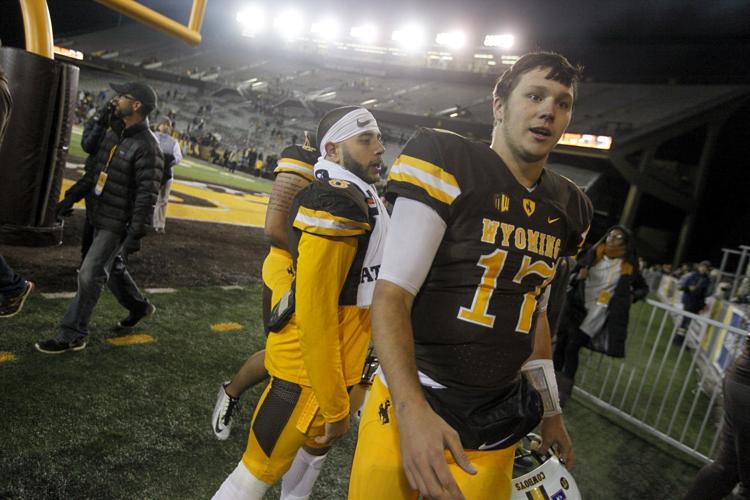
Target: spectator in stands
14	289
732	465
694	288
172	156
120	184
606	281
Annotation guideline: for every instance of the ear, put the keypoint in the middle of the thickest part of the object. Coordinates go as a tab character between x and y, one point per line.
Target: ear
497	109
138	106
332	152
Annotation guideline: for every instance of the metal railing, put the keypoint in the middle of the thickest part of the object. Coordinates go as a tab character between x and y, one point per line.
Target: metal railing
667	390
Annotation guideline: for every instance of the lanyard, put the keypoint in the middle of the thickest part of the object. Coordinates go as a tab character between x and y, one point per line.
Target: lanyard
112	153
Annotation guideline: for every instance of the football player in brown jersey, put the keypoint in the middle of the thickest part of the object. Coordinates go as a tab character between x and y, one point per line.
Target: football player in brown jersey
460	304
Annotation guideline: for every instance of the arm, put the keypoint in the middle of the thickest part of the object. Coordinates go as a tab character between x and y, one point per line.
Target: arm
176	152
148	172
554	432
95	129
413	239
285	187
322	267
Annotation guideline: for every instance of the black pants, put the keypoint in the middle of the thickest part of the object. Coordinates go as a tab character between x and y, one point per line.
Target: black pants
732	464
565	357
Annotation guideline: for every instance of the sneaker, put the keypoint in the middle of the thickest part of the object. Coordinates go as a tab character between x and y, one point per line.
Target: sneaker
54	346
223	416
12	305
133	319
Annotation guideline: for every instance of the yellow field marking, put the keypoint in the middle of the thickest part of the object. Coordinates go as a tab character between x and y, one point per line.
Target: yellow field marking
7	356
131	340
237	209
225	327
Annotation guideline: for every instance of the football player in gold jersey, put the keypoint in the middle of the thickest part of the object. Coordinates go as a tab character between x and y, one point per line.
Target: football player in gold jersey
293	172
460	304
320	330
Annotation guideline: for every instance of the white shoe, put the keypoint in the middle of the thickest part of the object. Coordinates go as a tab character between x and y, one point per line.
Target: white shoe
223	416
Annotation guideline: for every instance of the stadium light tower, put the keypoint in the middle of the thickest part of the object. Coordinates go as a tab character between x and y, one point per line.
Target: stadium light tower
503	41
289	24
452	39
252	19
326	29
365	33
410	37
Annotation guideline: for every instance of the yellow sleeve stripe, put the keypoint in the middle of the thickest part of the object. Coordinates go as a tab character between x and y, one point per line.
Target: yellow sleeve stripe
437	182
326	224
295	166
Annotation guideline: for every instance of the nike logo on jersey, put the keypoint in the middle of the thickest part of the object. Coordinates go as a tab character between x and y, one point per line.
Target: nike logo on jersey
362	123
551	220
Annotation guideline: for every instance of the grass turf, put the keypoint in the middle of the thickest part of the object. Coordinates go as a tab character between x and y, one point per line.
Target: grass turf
193	169
133	421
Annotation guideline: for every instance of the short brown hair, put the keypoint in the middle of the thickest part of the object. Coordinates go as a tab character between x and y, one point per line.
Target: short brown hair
560	70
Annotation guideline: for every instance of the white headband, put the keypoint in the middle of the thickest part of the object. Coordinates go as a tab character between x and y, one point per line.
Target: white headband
353	123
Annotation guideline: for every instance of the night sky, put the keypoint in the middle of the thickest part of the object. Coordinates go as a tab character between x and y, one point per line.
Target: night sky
704	41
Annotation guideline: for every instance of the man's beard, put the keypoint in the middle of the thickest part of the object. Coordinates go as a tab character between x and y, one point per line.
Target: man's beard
357	168
122	113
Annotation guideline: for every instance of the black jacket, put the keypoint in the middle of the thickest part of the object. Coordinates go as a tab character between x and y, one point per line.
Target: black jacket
126	204
631	287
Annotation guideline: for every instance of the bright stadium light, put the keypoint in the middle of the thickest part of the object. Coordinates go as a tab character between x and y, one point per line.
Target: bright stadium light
289	24
365	33
410	37
252	19
503	41
451	39
326	29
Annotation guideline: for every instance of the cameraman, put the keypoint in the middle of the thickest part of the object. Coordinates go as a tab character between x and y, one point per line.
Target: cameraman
121	182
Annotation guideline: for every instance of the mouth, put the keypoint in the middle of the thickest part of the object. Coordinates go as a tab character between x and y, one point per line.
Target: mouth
540	133
376	165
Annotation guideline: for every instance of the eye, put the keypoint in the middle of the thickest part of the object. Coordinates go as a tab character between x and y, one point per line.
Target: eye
564	105
535	98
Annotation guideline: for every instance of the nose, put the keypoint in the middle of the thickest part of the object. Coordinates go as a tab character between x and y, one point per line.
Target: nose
547	109
380	148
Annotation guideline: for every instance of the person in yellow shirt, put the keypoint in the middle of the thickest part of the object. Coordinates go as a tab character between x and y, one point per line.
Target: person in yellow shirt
338	226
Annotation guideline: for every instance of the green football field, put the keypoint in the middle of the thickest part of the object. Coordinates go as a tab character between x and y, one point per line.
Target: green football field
194	169
132	420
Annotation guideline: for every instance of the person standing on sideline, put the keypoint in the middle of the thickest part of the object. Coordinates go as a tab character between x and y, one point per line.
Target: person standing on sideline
321	330
694	288
120	185
460	303
607	281
14	289
732	465
172	156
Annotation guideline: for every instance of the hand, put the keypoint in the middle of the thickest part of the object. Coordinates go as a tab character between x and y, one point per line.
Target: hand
104	114
556	436
583	273
333	431
131	244
63	209
424	438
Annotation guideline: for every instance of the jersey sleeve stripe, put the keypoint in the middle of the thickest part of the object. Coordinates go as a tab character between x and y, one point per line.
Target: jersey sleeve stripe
294	166
437	182
327	224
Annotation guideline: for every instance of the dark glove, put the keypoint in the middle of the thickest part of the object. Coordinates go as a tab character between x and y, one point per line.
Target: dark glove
64	208
104	114
131	244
